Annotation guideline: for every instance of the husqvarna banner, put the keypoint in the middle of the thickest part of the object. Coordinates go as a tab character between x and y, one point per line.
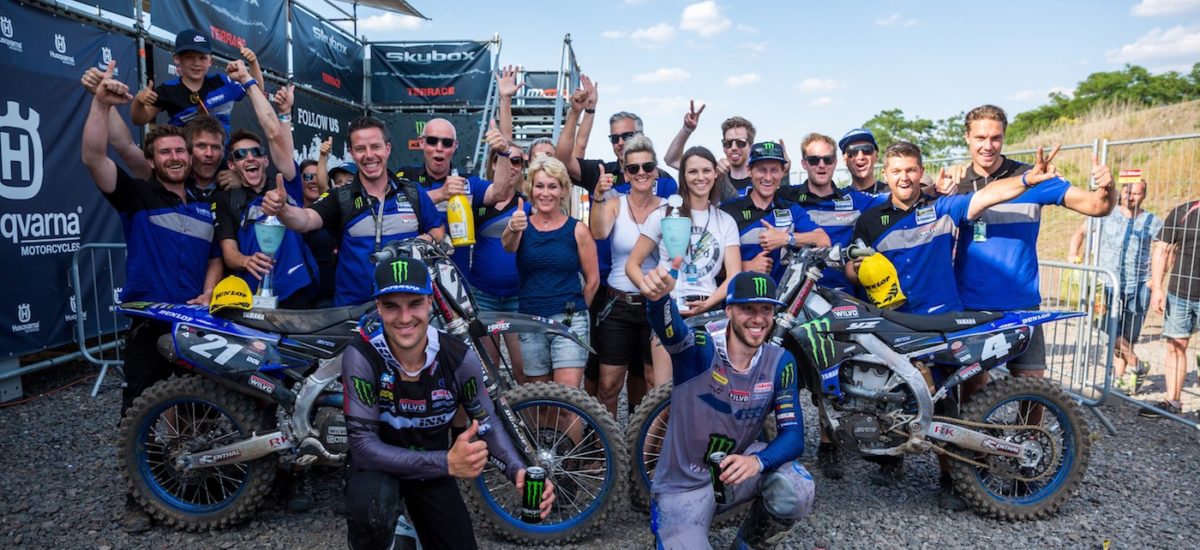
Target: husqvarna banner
49	205
326	58
430	73
260	25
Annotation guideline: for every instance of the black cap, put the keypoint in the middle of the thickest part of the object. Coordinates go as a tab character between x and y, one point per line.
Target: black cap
192	40
749	287
767	150
405	275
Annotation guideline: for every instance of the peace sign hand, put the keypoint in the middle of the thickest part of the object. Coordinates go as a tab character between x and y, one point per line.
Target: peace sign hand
1042	168
692	118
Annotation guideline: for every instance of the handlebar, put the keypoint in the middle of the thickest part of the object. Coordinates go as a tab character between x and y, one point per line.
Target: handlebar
415	248
835	255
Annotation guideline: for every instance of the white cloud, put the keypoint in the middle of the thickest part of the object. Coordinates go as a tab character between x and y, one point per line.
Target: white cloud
895	20
742	80
613	35
1153	8
1177	42
1034	95
389	22
705	19
817	85
756	47
824	101
653	36
746	29
671	75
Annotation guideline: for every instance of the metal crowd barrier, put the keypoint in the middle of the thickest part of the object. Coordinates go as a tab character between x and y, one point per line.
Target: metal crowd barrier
97	278
1079	351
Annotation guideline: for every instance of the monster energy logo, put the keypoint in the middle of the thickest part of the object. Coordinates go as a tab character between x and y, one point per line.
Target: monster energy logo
884	218
420	125
745	214
400	270
789	374
700	338
533	492
358	202
469	389
364	390
769	146
760	286
820	341
718	443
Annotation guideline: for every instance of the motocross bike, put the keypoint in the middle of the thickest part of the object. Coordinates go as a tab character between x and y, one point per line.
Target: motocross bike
199	451
1019	447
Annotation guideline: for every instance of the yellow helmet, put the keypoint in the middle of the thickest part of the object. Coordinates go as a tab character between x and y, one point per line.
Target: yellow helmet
879	277
231	292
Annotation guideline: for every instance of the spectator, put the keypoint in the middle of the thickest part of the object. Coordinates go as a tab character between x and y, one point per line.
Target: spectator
196	92
1125	237
713	248
733	170
1176	258
860	152
343	175
322	243
618	219
552	250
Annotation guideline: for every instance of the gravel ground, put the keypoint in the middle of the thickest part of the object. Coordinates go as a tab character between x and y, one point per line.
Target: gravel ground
60	488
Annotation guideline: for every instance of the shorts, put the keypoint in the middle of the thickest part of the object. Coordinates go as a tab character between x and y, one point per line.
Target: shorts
1134	304
492	302
626	338
1183	317
541	352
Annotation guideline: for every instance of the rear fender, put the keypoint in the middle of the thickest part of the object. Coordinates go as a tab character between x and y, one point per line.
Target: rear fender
498	323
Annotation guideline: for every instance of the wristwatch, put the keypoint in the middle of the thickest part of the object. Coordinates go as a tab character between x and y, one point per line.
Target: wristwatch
791	239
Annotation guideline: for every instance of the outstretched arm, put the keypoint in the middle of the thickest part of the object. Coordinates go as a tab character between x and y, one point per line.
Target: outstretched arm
1010	188
675	150
1097	202
565	148
109	93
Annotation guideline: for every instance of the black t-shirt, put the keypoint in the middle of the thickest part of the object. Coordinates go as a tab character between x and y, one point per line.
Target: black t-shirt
175	96
1182	229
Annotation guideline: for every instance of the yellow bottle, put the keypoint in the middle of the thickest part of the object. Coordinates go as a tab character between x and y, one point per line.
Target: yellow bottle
460	219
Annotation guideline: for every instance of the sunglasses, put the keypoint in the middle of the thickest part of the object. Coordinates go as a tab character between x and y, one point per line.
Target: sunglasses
432	141
616	138
256	151
516	161
814	160
308	177
633	169
730	143
855	150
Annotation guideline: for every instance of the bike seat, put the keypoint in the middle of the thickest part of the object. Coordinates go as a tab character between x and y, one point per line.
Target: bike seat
295	321
943	322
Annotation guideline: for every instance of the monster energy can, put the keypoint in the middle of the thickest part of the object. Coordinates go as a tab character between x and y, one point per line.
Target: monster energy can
531	501
714	469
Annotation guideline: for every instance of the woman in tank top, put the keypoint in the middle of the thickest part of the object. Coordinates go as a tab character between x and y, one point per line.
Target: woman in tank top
553	251
623	319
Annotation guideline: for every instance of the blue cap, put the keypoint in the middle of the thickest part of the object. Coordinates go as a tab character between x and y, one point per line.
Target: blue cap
767	150
407	275
192	40
348	167
751	287
857	134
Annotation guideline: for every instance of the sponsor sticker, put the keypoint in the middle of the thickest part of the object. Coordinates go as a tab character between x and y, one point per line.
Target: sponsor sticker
739	395
925	214
845	312
764	387
261	384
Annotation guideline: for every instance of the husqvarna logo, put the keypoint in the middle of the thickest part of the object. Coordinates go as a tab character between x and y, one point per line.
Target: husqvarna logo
60	50
20	154
74	307
60	43
24	313
26	324
6	27
105	55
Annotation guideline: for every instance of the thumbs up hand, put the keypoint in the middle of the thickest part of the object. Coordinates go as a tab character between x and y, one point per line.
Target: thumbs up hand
467	458
771	238
659	282
519	220
275	201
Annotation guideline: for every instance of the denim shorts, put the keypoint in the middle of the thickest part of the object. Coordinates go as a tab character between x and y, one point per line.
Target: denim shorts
1183	317
491	302
541	352
1134	305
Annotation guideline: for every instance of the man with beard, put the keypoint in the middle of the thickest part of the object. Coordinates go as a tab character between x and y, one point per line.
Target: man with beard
860	152
916	233
404	381
766	221
372	210
294	269
737	134
726	384
168	234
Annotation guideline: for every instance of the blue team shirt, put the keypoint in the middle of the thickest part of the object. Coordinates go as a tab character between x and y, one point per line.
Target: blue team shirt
836	214
418	174
493	269
998	271
920	243
780	214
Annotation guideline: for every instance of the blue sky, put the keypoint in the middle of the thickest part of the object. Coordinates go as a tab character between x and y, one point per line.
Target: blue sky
797	67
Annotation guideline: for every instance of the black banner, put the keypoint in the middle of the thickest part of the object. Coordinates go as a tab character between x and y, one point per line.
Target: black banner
446	73
51	206
123	7
260	25
541	88
405	130
326	58
313	120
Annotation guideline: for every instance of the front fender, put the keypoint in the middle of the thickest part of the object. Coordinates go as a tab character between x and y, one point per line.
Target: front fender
498	322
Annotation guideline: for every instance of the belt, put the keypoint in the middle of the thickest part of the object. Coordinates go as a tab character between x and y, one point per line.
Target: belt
631	298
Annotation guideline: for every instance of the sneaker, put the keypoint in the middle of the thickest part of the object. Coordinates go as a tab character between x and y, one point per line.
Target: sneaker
891	472
302	493
829	461
1164	405
948	498
1129	383
1142	369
